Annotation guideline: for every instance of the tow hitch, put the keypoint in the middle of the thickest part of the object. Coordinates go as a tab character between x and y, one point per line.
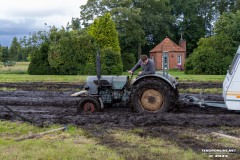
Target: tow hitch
202	103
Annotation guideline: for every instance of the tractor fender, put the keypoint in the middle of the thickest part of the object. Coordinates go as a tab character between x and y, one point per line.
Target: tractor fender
80	94
172	83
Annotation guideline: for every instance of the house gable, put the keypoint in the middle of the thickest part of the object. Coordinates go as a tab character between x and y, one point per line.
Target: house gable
176	54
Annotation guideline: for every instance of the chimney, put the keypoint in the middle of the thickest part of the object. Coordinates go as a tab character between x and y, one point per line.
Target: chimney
182	43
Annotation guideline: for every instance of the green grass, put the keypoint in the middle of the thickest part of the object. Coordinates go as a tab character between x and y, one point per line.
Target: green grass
198	90
182	77
79	143
41	78
19	68
148	147
197	78
72	144
18	73
82	78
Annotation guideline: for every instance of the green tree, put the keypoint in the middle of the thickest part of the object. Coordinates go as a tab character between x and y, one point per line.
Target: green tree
214	54
194	19
156	21
126	17
206	60
14	50
39	64
75	25
69	51
1	53
140	24
104	32
128	23
5	54
128	60
111	62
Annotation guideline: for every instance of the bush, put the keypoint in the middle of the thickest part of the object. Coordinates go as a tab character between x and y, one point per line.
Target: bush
206	59
128	61
90	68
39	62
111	63
70	55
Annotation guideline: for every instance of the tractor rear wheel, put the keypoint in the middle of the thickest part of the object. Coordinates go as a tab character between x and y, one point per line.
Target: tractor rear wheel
88	105
153	95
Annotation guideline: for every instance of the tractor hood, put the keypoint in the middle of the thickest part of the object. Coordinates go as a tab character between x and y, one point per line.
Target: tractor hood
113	82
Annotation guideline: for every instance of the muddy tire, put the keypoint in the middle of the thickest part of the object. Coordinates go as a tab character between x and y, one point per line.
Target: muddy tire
88	105
153	95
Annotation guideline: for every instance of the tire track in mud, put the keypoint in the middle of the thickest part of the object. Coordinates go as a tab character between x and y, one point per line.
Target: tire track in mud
59	107
56	86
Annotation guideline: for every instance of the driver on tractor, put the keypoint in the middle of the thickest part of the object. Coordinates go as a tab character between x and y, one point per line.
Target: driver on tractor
148	66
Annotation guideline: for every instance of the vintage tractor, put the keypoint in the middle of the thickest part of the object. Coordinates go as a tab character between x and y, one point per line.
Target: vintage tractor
149	93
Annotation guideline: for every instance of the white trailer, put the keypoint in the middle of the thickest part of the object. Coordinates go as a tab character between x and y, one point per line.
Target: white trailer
231	84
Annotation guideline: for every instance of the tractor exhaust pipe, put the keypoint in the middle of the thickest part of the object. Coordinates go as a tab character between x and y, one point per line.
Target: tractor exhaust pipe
98	67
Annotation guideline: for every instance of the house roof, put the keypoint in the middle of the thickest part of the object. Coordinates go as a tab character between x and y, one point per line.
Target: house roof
167	45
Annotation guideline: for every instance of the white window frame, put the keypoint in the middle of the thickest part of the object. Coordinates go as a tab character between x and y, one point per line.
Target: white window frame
179	59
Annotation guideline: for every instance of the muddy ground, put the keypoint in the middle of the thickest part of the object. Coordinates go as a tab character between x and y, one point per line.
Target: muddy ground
48	103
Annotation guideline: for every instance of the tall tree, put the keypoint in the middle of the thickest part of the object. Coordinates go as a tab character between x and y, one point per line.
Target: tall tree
5	54
214	54
1	53
194	20
69	50
140	23
104	32
126	16
14	50
157	21
75	24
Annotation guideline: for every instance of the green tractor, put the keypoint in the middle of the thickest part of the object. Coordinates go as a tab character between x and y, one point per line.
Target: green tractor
153	93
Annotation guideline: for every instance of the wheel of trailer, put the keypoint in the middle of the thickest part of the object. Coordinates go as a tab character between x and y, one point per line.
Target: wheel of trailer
153	95
88	105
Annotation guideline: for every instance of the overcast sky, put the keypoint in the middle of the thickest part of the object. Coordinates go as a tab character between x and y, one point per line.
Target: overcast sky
21	17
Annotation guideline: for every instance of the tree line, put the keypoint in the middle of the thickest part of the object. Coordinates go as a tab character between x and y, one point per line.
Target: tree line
209	27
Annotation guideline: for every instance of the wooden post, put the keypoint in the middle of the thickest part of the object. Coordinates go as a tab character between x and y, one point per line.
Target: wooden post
40	134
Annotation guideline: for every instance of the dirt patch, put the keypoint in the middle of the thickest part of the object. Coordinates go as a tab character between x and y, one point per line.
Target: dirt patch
58	86
55	105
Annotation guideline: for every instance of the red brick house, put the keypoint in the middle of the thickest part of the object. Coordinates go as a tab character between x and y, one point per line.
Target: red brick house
176	54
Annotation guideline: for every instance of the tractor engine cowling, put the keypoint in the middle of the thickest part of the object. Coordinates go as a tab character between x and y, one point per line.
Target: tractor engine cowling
109	96
110	88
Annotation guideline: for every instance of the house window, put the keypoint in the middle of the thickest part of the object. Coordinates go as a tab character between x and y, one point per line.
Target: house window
179	59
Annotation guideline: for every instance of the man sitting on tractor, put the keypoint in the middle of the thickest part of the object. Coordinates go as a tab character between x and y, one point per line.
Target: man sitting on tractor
148	66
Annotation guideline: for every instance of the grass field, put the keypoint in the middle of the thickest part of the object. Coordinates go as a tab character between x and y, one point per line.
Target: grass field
19	68
78	143
18	73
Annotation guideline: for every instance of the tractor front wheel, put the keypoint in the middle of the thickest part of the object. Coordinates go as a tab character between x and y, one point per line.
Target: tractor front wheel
88	105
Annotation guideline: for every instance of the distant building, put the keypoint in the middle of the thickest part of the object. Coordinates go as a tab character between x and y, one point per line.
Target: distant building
176	54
